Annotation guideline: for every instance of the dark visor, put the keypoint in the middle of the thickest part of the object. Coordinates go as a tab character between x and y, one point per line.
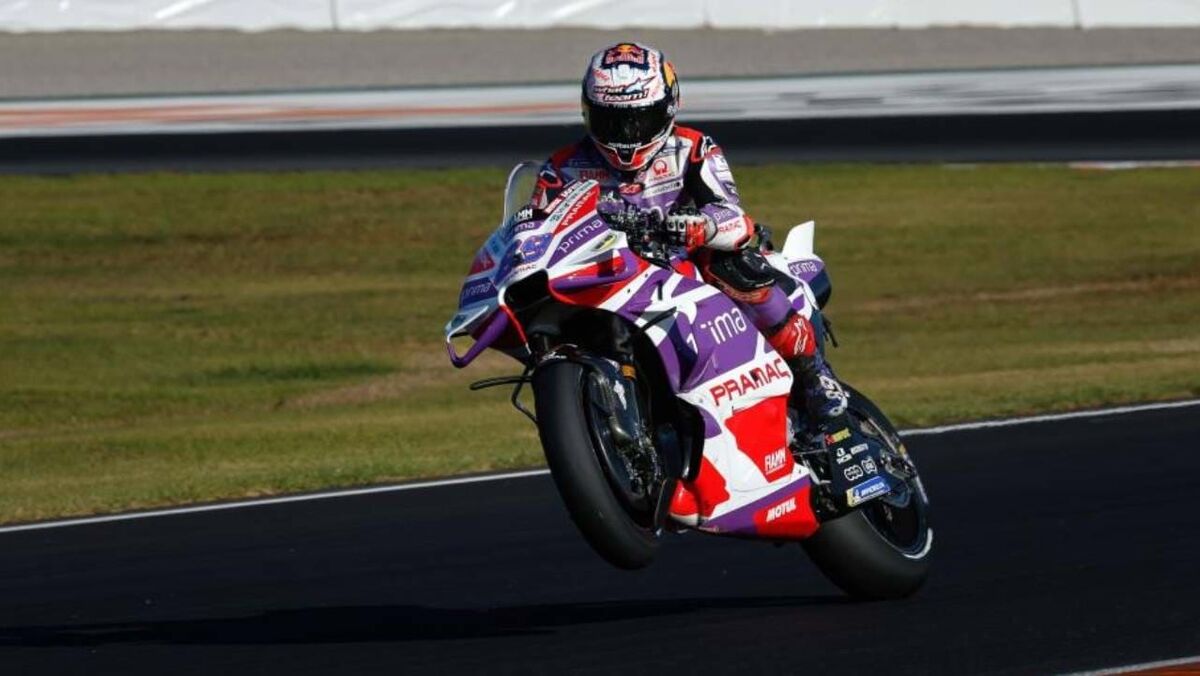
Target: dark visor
628	126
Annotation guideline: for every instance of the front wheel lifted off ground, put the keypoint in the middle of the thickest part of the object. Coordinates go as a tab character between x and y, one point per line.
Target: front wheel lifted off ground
571	453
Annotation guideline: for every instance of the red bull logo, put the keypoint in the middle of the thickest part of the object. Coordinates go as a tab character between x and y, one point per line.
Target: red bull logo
625	54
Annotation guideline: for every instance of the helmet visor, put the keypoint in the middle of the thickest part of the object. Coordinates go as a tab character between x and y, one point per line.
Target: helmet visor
615	126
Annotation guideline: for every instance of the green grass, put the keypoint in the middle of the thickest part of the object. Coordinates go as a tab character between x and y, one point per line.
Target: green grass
168	338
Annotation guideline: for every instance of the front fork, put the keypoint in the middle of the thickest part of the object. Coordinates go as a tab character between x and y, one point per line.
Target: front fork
654	452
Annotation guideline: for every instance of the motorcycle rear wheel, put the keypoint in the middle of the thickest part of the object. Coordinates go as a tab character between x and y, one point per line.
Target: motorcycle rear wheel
572	453
878	551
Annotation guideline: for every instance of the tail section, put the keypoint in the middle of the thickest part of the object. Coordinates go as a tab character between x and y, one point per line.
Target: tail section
799	244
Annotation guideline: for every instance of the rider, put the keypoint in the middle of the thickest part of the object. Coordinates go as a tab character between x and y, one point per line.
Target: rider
640	157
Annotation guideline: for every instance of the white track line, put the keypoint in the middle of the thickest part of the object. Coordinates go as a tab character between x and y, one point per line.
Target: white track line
275	501
986	424
1144	666
1009	422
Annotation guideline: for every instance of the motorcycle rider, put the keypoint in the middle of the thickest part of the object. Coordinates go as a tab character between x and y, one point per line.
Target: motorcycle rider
644	161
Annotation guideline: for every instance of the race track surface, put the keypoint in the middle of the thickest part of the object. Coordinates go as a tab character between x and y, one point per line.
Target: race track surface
1059	546
1080	114
874	97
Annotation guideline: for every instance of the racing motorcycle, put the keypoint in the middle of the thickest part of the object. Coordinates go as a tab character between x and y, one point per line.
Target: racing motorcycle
661	408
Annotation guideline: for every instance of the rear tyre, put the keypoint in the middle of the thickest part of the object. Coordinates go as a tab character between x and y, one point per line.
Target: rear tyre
572	454
882	549
853	556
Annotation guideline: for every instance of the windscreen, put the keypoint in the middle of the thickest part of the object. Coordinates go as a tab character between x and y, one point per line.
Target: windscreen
521	181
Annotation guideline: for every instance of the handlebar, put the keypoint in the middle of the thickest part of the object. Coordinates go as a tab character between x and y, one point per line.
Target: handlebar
644	230
631	220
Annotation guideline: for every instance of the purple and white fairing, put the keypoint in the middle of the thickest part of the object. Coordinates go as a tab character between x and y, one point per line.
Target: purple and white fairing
714	356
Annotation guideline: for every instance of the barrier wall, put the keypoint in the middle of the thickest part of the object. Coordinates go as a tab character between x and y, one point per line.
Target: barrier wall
364	15
250	15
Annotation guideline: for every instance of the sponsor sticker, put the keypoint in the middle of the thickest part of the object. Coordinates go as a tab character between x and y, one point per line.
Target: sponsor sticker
476	291
571	194
749	380
626	53
579	235
842	456
865	491
782	509
775	462
802	268
853	473
606	243
726	325
731	226
533	247
663	188
841	435
591	174
868	465
522	269
624	90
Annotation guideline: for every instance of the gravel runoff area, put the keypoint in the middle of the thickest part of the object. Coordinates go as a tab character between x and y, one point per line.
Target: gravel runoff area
167	62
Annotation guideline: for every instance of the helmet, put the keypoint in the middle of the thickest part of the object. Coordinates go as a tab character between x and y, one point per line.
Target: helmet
630	96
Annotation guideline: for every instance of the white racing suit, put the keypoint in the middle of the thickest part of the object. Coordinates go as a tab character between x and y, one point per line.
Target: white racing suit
690	170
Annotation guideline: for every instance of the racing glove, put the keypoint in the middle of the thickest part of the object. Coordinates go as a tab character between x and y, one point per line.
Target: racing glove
690	231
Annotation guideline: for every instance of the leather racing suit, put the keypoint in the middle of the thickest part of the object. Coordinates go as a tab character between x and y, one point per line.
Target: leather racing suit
690	170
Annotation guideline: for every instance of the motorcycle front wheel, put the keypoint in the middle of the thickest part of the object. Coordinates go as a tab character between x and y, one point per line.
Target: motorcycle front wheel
578	458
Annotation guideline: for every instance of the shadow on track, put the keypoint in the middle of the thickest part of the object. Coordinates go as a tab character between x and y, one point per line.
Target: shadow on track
351	624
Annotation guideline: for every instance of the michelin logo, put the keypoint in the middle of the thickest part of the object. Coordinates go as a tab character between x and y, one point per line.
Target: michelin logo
865	491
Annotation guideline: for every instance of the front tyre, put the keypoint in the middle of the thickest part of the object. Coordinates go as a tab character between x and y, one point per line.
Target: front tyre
882	549
572	452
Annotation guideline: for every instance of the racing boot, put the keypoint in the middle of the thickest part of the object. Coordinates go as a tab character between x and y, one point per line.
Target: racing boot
825	401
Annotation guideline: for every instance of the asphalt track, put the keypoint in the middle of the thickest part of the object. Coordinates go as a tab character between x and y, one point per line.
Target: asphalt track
1099	114
1168	135
1061	546
72	65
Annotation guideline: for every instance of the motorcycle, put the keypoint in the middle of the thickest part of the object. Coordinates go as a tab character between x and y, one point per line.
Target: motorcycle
661	408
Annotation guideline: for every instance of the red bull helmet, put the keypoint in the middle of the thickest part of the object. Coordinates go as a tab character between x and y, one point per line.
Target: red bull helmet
630	96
